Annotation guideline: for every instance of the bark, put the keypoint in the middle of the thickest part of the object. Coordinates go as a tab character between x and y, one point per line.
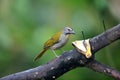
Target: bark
99	67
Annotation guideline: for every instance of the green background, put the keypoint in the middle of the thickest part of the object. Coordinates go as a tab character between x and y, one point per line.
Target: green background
26	24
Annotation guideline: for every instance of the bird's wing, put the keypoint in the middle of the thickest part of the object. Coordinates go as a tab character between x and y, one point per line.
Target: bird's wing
54	39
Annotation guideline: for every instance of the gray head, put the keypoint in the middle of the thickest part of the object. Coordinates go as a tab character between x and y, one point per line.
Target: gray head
68	30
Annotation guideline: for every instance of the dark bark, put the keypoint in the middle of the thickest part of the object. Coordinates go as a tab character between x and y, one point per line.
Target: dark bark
97	66
105	38
72	59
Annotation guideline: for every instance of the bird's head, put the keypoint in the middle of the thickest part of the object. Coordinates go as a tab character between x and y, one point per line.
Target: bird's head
68	30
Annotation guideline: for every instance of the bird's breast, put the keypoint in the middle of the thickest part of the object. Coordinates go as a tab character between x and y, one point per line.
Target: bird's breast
62	41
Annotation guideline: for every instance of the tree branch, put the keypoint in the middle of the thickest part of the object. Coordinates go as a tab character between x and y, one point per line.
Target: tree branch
72	59
98	67
105	38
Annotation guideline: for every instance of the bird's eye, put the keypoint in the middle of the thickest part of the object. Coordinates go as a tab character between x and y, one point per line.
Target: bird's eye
69	29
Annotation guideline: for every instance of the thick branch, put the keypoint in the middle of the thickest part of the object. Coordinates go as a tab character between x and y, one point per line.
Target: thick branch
105	38
67	61
51	70
98	67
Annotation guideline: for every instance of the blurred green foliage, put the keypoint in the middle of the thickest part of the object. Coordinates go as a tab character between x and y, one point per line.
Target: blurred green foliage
26	24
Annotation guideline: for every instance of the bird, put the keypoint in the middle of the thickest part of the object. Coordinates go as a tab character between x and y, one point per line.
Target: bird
57	41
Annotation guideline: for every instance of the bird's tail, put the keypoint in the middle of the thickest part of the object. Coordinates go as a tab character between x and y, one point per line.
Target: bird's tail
40	54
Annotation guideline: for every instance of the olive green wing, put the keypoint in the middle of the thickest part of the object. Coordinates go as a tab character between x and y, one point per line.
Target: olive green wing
54	39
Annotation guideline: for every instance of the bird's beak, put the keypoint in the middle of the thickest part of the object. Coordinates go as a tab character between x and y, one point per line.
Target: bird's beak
72	32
